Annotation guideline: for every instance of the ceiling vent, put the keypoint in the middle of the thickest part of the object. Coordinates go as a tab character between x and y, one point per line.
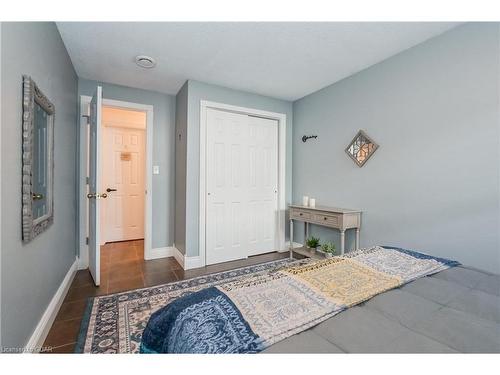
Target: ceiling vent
145	61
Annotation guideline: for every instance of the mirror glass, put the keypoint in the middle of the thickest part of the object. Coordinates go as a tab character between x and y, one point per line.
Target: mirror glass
40	178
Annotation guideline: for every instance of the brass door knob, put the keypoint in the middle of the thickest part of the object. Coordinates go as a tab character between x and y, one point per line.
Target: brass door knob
37	197
91	195
104	195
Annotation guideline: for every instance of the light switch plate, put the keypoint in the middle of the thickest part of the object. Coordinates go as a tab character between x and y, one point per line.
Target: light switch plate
156	169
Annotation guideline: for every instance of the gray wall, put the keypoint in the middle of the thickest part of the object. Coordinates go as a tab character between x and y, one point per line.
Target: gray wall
197	91
180	167
163	151
433	185
32	273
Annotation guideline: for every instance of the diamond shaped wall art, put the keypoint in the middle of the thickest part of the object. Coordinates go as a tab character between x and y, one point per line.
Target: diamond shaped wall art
361	148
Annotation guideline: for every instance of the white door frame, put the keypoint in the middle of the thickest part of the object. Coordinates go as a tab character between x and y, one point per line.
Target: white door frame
281	118
82	202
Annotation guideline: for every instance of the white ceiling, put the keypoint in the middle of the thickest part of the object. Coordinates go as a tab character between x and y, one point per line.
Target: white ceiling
281	60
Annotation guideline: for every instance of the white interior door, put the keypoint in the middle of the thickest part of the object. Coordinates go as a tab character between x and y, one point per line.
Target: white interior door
241	202
124	152
94	186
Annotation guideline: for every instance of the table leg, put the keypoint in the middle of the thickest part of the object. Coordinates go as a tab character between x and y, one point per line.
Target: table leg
342	242
291	239
357	238
306	231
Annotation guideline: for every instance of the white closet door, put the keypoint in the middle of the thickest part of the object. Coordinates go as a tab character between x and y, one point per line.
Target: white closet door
227	186
241	209
263	186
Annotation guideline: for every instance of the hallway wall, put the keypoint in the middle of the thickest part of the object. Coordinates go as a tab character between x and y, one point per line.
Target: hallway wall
163	151
32	272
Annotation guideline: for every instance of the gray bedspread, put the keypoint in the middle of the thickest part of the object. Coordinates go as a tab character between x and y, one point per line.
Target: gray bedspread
457	310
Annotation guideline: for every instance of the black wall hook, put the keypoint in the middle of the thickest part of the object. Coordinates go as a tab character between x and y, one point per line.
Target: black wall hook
306	137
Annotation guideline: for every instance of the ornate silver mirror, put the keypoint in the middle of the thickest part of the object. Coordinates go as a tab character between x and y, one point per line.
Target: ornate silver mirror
361	148
38	161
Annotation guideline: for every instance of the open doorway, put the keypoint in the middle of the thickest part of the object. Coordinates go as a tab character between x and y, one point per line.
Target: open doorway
116	149
123	178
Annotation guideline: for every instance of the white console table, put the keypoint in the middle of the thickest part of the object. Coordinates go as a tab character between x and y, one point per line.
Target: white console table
331	217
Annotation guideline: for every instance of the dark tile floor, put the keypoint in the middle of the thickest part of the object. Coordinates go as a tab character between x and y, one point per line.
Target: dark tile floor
123	268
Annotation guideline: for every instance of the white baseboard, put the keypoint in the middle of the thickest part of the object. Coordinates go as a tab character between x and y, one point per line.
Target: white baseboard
83	257
39	335
187	263
159	252
82	263
192	262
171	251
179	257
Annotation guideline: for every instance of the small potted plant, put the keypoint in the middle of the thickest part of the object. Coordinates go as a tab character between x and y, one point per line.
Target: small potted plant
328	248
312	243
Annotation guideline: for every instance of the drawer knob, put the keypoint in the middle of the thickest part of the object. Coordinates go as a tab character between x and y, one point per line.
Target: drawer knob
300	214
325	218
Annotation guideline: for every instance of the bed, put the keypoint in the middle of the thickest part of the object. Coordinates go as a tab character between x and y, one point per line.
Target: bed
456	310
434	305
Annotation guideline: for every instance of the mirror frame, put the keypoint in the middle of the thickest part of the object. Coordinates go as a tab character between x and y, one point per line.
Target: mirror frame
361	133
31	95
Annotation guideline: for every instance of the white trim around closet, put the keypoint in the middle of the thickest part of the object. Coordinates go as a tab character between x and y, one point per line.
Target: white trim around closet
281	118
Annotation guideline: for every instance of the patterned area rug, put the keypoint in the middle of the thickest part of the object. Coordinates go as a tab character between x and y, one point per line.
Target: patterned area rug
114	323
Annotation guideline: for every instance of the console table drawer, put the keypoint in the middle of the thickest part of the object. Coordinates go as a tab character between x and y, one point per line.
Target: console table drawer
300	215
327	220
